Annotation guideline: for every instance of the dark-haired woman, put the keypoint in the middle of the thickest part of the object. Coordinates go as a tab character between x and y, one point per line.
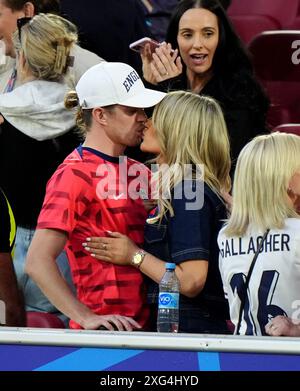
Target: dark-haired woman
209	59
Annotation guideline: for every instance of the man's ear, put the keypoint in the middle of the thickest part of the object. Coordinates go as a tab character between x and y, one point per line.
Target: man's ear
29	9
99	115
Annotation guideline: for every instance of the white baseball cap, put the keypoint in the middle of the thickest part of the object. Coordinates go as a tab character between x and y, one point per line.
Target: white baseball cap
110	83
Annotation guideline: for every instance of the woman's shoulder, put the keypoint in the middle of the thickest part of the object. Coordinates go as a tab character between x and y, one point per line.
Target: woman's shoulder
196	192
292	224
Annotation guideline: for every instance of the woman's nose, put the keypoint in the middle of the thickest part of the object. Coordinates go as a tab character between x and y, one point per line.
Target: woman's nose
197	42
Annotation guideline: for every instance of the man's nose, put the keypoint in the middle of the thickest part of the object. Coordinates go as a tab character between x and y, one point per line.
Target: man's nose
142	116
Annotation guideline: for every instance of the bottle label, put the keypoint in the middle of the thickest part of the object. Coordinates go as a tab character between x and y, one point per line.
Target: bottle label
168	300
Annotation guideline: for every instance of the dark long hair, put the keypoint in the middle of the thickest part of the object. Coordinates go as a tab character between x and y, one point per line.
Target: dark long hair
230	53
231	64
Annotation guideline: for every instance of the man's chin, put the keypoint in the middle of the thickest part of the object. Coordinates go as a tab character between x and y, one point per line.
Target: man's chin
134	143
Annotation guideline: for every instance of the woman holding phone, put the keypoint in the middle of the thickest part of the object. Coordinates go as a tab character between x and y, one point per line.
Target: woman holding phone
208	58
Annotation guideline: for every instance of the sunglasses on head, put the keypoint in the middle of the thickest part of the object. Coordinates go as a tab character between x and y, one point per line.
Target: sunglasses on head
20	23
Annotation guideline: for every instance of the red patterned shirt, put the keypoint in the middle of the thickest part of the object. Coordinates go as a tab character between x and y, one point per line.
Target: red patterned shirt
87	196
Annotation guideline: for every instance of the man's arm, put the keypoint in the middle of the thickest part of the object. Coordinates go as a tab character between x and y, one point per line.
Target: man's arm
10	295
45	247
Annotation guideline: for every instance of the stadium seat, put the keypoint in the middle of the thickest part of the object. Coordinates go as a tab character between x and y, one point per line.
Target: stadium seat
283	11
248	26
295	25
273	55
43	320
288	128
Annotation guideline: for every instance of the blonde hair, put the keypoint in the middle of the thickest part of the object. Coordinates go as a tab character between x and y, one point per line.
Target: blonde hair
264	168
46	42
191	130
83	117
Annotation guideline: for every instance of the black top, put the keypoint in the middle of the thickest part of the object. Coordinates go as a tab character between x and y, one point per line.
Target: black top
26	165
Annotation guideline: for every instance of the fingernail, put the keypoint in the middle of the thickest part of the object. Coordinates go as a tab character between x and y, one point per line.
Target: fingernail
109	232
84	244
88	239
93	255
87	249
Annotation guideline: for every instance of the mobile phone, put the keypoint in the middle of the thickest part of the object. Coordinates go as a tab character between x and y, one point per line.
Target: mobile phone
139	45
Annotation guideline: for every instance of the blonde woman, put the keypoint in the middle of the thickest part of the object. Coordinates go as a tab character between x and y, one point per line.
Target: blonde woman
189	135
37	131
266	197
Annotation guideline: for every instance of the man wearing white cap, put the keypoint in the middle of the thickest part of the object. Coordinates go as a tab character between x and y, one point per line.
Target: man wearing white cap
92	193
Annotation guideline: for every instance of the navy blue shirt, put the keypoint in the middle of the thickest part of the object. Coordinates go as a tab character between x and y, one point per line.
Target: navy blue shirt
192	234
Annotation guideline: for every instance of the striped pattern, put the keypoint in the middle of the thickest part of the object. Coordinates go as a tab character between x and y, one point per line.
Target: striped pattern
73	204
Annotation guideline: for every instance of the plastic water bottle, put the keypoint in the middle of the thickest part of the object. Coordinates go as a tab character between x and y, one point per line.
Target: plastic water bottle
168	301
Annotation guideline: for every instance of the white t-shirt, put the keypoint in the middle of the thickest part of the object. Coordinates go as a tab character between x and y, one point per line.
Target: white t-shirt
274	287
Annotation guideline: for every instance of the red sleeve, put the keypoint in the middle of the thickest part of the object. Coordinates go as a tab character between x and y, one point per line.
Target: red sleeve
64	201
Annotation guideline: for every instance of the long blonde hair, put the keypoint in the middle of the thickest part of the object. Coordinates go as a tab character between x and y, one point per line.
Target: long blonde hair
264	168
46	42
191	130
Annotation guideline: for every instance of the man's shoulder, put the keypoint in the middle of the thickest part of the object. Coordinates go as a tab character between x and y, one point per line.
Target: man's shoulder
72	163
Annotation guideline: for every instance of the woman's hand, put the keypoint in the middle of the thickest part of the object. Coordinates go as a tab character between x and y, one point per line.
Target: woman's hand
282	326
162	65
117	248
150	204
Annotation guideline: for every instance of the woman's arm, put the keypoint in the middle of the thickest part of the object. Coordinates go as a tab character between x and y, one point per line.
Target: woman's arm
119	250
189	237
191	274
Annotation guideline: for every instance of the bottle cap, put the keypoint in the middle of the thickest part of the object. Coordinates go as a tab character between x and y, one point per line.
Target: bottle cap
170	266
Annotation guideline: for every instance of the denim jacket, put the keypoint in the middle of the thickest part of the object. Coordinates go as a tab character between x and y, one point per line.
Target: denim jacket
191	235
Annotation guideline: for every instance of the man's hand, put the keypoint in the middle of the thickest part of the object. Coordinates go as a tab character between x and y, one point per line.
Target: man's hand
110	322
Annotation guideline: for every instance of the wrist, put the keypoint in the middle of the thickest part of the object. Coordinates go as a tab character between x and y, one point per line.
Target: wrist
295	331
138	258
